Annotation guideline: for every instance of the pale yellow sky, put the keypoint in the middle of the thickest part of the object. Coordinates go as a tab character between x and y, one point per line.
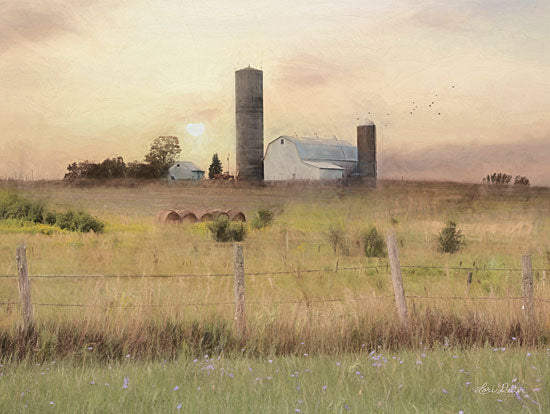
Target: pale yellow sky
94	79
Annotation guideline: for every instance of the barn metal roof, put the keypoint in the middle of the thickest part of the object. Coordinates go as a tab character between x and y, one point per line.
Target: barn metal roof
320	149
189	165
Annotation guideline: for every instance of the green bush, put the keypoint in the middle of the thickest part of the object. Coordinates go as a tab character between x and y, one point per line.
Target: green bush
336	237
264	217
450	239
73	220
373	243
12	206
223	230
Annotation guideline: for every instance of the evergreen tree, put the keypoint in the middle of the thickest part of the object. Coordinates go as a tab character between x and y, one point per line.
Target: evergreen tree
215	166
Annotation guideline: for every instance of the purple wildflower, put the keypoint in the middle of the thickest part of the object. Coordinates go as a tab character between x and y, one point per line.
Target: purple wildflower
325	388
179	406
126	382
176	388
444	391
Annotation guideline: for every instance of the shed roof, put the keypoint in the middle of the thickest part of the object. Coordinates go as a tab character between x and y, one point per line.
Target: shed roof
323	165
189	165
320	149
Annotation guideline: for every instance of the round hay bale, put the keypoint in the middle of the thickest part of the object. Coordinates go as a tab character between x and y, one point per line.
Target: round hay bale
216	212
236	215
168	216
204	216
187	216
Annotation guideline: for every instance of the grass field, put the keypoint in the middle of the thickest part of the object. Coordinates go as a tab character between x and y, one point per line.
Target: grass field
424	381
500	225
317	341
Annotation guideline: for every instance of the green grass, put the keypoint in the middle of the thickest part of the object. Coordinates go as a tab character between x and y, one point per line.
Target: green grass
440	381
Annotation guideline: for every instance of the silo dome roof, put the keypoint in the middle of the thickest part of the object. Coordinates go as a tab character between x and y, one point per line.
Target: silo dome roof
365	122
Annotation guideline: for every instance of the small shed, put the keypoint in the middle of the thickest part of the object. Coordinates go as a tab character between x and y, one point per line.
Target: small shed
185	170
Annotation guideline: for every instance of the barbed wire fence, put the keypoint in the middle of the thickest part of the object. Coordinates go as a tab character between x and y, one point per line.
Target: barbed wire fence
393	266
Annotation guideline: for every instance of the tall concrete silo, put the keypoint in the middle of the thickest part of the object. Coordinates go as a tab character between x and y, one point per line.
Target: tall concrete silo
366	149
249	108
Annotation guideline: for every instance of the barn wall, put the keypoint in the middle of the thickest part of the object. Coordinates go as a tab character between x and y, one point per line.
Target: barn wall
325	174
282	162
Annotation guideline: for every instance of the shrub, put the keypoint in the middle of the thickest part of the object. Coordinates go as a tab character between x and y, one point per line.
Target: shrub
224	230
373	243
450	239
75	221
264	217
13	206
335	237
521	180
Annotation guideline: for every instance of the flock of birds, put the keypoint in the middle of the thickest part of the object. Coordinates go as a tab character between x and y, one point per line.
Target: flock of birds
415	107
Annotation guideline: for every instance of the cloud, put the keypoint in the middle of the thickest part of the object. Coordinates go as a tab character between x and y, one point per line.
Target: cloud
470	162
305	69
33	22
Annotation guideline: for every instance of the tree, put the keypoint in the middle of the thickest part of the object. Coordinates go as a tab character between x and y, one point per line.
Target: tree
497	178
162	154
215	166
521	180
450	239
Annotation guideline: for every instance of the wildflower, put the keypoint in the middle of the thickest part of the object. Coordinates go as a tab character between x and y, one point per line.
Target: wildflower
126	382
513	338
195	361
230	375
92	382
297	410
198	388
460	370
528	354
423	355
455	356
51	403
271	361
418	362
503	349
90	348
306	355
346	407
179	406
461	412
338	364
176	388
325	388
514	380
468	383
128	356
107	384
357	373
297	388
499	400
268	378
444	391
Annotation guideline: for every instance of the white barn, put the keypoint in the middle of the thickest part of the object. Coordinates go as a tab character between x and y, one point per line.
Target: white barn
293	158
185	170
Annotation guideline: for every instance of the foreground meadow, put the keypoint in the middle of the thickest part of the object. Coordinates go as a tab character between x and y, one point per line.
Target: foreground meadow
485	380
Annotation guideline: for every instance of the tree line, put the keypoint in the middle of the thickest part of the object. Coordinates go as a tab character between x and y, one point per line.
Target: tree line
163	152
503	178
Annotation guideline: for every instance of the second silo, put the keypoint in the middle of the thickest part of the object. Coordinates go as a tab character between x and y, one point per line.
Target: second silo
366	149
249	116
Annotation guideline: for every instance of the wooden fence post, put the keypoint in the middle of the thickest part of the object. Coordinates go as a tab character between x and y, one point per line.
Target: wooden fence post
528	295
469	282
238	265
397	279
24	285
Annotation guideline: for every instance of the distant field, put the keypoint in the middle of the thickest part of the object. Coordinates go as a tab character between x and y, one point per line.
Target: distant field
500	225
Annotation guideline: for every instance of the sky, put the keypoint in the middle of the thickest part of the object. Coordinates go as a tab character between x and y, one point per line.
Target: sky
87	80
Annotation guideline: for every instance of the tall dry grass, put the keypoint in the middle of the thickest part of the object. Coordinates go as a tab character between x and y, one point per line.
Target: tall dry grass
151	317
